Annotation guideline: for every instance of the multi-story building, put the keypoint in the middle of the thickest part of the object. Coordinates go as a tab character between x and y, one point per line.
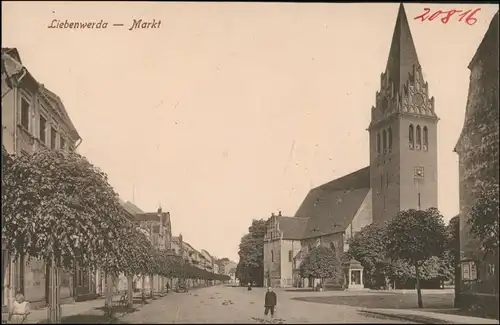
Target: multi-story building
33	117
402	173
479	270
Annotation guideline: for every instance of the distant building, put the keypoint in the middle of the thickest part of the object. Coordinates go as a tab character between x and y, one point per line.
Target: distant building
479	272
402	174
33	117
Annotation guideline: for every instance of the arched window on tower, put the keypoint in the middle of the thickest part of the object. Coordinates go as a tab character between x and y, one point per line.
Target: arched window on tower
426	139
411	143
378	143
389	135
384	140
419	138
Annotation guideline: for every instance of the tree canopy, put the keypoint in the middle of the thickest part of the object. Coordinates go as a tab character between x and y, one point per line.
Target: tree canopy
320	263
484	217
58	205
415	236
251	253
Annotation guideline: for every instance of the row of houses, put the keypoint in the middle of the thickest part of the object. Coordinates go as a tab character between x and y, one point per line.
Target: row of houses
34	117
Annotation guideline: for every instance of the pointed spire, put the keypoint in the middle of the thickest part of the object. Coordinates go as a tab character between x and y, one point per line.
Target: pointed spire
402	55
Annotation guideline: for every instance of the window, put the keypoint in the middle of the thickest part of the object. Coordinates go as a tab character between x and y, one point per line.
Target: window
419	138
419	201
332	246
384	202
381	180
290	256
53	136
43	126
387	180
272	256
62	143
426	138
25	113
378	143
389	135
411	143
384	140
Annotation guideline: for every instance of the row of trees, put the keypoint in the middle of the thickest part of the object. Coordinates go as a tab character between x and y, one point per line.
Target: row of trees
60	208
250	267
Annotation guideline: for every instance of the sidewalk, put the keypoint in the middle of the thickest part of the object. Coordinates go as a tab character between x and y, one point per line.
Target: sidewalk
428	317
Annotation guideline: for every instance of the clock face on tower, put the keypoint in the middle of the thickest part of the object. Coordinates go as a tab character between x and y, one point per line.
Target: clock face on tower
419	172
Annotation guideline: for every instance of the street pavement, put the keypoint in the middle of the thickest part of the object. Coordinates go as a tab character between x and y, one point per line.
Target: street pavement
236	305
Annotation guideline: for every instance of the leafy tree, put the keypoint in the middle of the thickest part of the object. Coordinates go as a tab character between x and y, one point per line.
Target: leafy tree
321	263
484	217
251	252
415	236
368	247
57	206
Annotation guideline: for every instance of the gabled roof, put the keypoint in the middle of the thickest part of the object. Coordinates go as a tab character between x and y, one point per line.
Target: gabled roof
133	207
331	207
402	55
292	227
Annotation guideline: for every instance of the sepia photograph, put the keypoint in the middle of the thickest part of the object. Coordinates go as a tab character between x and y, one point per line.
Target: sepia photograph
250	162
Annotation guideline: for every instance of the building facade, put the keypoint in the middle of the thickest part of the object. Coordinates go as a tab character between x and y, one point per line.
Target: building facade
402	174
479	270
33	117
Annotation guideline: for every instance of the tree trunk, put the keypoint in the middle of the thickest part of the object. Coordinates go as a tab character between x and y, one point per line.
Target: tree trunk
54	310
130	291
151	286
109	291
419	292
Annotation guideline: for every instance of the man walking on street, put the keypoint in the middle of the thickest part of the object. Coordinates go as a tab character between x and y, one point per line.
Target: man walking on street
270	302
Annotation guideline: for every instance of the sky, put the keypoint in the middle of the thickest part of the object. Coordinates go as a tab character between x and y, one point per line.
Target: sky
231	111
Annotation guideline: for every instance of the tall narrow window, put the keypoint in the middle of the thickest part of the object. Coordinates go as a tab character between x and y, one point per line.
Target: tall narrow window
381	180
389	135
387	180
25	114
43	126
419	138
332	247
290	256
384	202
378	142
53	137
272	256
411	140
419	201
426	138
384	140
62	142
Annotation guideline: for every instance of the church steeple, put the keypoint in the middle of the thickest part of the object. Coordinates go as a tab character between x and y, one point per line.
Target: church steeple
402	55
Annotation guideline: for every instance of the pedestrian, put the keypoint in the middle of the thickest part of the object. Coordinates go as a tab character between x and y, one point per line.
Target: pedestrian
168	286
270	302
20	310
249	286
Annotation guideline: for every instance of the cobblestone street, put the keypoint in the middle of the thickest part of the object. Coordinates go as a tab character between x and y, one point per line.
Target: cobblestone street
237	305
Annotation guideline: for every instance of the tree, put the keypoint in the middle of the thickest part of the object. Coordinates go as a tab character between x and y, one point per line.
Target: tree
58	207
368	247
321	263
484	217
415	236
251	252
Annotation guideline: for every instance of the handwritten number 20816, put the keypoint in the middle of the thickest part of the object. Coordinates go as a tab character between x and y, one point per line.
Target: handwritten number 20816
468	15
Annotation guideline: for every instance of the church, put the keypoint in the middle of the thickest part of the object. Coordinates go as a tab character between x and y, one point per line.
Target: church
402	173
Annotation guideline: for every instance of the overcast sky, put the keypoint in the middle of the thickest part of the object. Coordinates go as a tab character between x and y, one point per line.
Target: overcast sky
231	111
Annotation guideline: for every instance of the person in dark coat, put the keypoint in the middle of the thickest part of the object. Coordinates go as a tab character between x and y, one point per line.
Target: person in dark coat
249	286
270	302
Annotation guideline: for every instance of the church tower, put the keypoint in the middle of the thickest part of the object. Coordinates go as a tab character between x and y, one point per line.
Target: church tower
403	133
